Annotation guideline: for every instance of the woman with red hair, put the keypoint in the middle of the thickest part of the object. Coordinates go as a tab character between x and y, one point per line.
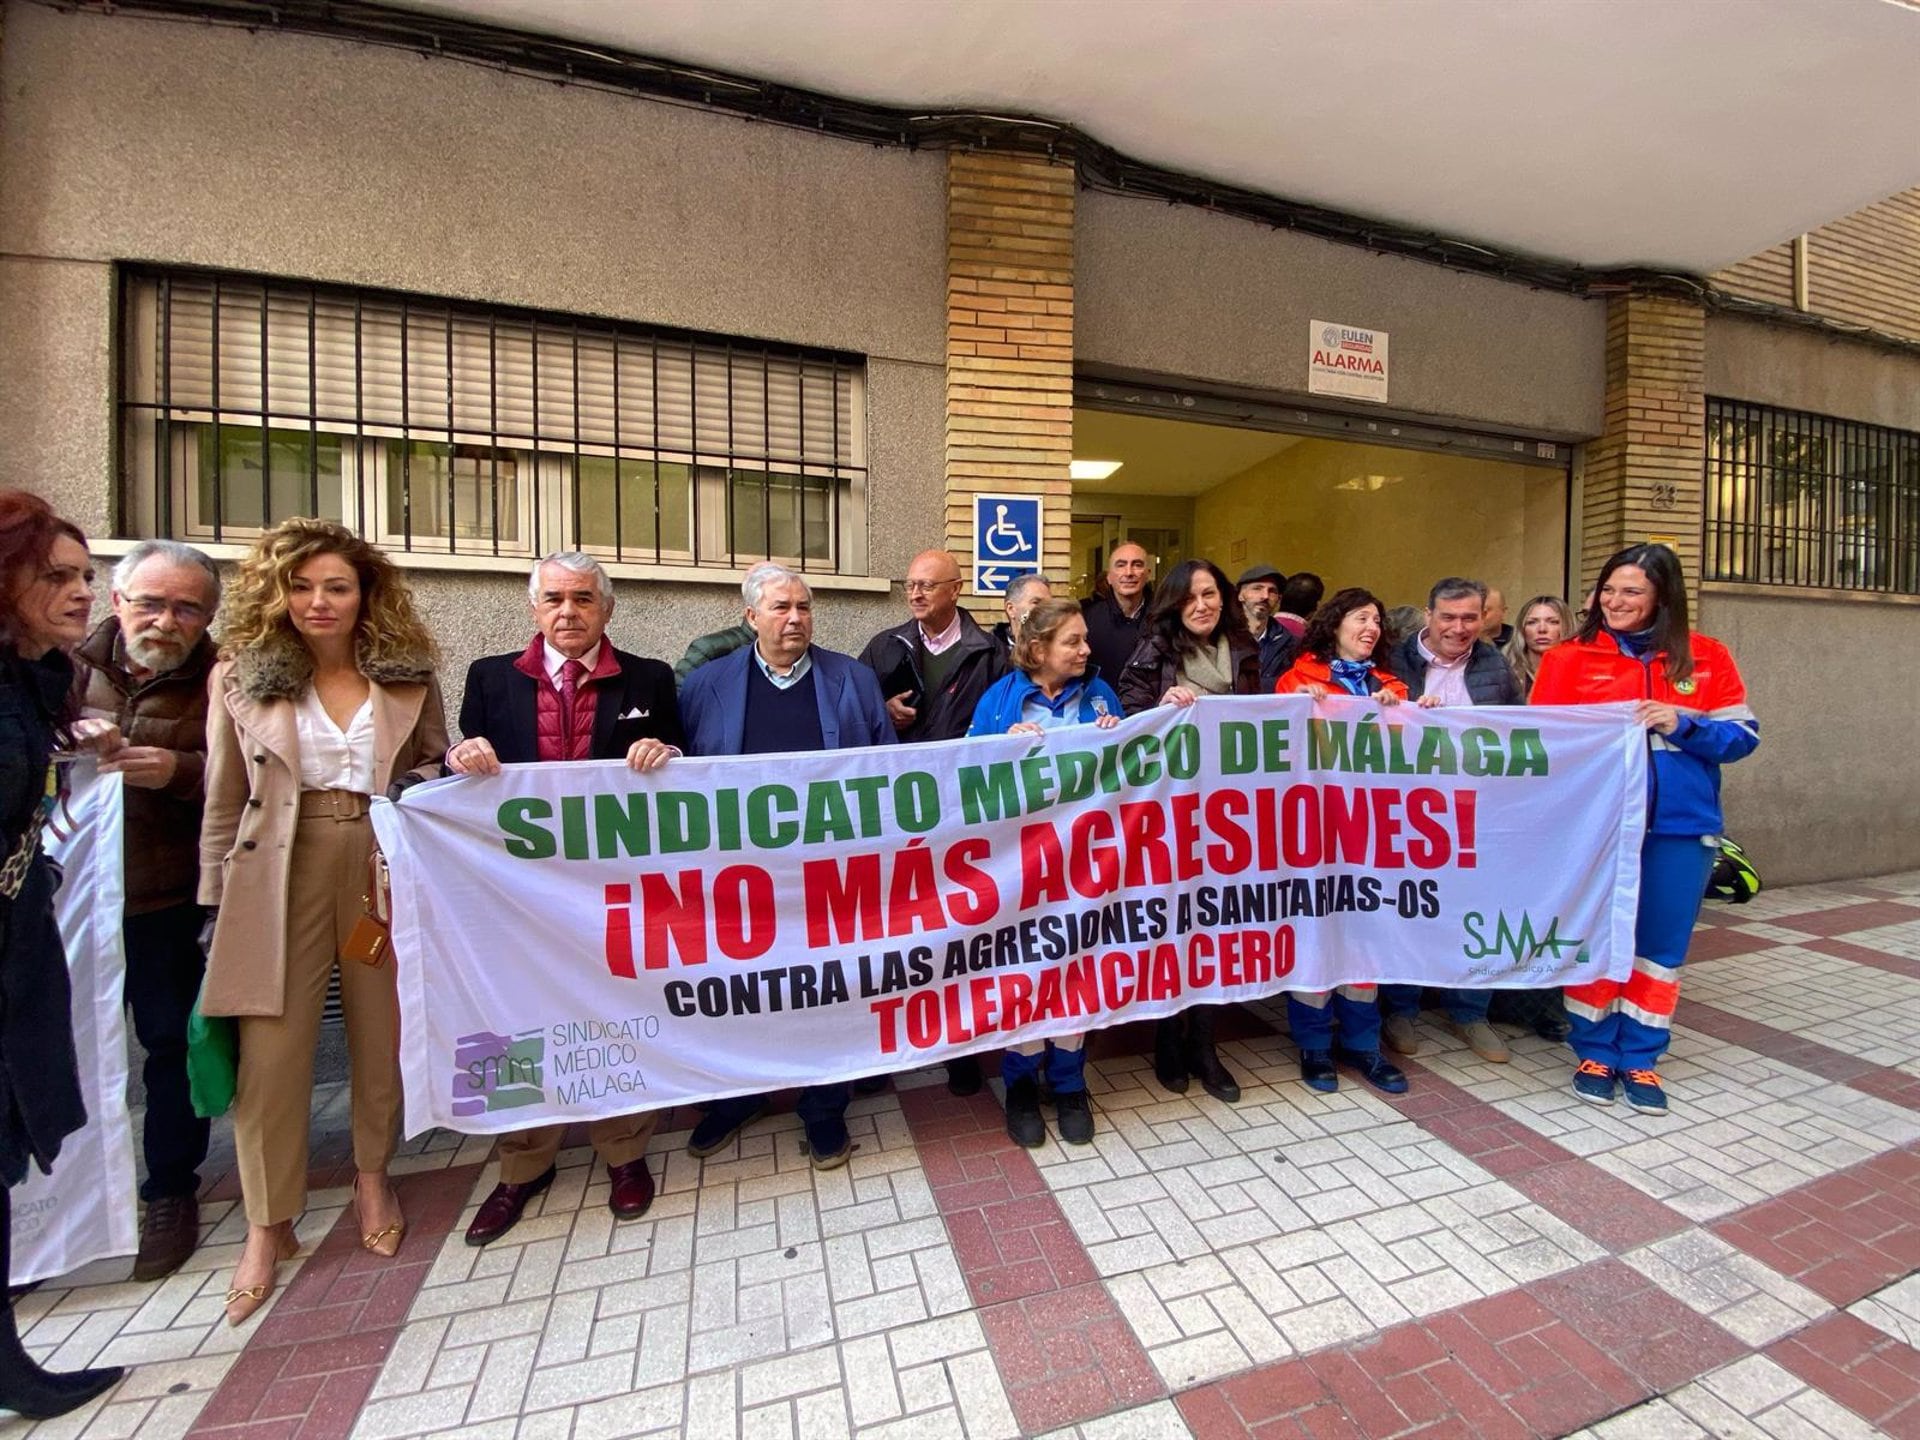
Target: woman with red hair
46	599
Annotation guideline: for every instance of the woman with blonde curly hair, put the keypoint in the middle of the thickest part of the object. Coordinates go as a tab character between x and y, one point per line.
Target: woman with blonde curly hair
324	695
1545	621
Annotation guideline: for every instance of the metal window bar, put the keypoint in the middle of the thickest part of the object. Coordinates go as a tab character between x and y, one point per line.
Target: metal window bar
1794	498
266	421
453	449
219	489
376	489
313	403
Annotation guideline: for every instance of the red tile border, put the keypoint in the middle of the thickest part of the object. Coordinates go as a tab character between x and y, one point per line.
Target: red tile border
311	1362
1845	919
1600	1205
1064	1351
1536	1362
1861	1367
1866	955
1843	1236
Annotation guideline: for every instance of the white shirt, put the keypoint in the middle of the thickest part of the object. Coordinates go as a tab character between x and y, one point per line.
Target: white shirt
331	759
1446	678
555	660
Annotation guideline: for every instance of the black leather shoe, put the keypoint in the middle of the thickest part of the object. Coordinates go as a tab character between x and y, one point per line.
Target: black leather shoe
36	1394
1384	1076
500	1211
1073	1115
1024	1125
1169	1064
632	1190
1203	1063
1316	1069
963	1076
169	1234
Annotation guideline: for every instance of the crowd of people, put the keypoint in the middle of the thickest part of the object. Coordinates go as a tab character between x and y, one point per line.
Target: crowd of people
249	767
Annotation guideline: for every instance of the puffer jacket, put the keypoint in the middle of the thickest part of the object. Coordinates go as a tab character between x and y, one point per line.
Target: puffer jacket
1489	677
1716	725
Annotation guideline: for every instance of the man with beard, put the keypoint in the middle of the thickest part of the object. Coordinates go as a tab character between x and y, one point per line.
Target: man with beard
145	670
1260	597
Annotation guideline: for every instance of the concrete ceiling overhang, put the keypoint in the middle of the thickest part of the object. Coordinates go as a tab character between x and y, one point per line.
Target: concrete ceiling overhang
1676	134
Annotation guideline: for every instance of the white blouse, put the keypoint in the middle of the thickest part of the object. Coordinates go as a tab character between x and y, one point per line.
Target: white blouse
332	759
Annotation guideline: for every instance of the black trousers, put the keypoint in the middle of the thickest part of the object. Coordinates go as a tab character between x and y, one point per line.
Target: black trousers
164	966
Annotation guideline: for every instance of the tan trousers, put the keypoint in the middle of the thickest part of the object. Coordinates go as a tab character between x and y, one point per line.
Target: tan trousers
618	1140
274	1095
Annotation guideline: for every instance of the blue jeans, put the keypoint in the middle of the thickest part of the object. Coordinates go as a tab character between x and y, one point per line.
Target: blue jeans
1311	1015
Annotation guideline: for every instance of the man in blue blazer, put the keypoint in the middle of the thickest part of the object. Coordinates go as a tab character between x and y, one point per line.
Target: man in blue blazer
781	694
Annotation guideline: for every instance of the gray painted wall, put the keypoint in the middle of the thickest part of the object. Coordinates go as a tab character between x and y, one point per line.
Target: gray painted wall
1802	370
1834	789
1178	291
132	139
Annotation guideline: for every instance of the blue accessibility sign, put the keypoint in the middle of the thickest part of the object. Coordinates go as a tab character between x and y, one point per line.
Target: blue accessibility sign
1006	540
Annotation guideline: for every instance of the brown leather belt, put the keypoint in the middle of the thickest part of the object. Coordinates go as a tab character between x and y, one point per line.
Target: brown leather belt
332	805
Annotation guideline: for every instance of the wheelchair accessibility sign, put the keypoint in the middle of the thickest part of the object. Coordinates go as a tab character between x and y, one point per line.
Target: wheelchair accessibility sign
1006	540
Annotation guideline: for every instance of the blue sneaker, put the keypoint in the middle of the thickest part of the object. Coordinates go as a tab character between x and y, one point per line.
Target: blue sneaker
1594	1082
1644	1092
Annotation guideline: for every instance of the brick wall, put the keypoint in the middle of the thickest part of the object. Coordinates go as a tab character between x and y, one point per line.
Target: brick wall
1009	345
1863	269
1643	475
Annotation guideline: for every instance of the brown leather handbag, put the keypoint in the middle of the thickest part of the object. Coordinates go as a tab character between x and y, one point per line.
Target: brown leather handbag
372	933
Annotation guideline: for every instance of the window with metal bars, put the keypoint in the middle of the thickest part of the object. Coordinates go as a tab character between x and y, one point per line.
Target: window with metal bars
1800	499
440	427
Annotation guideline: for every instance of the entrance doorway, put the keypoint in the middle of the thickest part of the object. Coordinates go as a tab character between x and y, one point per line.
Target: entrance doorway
1389	506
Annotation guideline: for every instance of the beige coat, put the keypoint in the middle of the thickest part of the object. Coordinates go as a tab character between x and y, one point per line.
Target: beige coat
253	807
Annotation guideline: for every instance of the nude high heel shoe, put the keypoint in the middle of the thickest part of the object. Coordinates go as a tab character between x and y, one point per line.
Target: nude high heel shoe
244	1300
384	1241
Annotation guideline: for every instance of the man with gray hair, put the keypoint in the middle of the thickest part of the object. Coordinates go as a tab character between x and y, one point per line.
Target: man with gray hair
1447	663
146	675
1023	593
568	696
778	695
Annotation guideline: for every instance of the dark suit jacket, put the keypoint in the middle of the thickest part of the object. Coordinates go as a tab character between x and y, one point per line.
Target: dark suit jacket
499	705
847	693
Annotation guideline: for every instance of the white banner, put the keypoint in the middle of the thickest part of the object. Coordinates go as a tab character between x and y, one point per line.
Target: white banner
578	940
87	1208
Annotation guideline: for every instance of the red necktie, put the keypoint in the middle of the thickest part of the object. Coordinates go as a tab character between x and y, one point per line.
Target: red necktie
570	676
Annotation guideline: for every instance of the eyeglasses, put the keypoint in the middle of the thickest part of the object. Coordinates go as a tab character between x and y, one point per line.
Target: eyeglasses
149	607
927	587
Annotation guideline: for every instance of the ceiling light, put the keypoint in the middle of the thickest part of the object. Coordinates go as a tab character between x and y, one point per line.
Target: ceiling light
1092	469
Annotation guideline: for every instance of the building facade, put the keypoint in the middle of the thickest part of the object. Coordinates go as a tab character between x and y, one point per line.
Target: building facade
481	315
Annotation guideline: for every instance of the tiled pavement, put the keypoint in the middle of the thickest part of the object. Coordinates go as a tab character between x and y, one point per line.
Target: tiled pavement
1483	1257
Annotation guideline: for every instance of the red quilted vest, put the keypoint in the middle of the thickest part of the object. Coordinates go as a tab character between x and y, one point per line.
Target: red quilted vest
558	734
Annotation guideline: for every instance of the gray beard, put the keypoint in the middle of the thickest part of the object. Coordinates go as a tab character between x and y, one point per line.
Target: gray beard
158	658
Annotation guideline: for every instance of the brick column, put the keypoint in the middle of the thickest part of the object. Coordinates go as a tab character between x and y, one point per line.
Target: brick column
1643	475
1009	346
